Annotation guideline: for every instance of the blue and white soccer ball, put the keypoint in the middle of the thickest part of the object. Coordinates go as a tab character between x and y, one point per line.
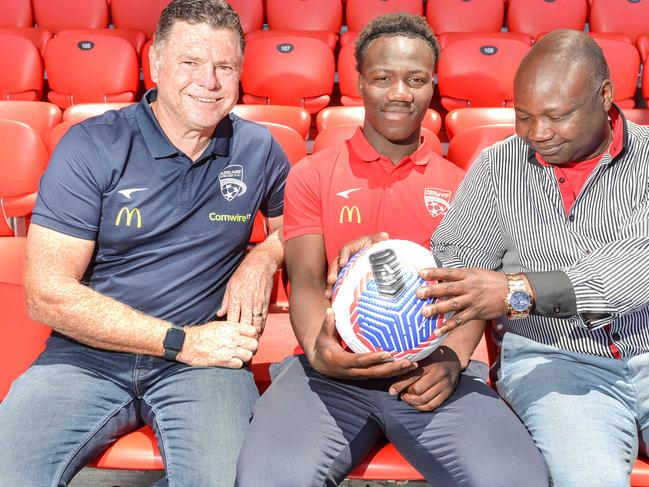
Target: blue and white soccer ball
375	305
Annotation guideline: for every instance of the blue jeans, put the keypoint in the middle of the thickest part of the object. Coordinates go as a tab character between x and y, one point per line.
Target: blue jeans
588	415
74	401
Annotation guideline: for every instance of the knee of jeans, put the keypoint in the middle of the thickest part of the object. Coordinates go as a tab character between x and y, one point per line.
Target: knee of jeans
521	473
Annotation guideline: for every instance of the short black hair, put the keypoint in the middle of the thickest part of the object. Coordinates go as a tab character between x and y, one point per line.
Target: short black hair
216	13
394	25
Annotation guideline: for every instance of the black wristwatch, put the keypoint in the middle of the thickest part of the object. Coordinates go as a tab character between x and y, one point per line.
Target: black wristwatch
173	342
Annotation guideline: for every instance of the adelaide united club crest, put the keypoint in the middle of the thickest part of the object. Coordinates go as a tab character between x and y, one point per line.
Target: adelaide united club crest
437	200
231	181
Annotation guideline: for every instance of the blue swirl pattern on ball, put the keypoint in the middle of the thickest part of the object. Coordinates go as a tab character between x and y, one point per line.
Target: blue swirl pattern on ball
392	325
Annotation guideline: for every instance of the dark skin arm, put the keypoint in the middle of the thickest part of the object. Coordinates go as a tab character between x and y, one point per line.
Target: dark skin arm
436	377
313	321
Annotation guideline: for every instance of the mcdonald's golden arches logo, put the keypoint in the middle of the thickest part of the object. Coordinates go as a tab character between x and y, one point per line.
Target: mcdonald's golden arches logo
129	216
349	212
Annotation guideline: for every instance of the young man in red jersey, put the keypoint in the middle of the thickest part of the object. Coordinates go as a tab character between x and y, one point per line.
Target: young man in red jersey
328	407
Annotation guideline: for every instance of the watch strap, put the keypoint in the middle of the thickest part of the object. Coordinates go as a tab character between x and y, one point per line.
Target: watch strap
173	342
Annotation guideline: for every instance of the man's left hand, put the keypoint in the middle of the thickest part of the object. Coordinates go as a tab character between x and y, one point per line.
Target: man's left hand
430	384
247	293
471	294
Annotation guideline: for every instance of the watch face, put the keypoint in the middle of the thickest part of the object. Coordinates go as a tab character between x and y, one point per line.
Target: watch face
174	339
520	301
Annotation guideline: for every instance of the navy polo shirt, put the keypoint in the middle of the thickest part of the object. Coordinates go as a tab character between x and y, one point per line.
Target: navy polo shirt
169	233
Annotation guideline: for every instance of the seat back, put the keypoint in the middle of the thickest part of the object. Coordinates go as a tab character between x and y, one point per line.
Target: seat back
56	134
645	84
338	134
57	15
291	142
465	15
24	338
628	17
479	72
91	68
323	15
42	116
288	70
140	15
463	118
534	17
16	13
35	35
295	117
337	116
136	38
23	158
623	61
638	115
251	13
348	76
467	145
359	12
642	42
82	111
21	67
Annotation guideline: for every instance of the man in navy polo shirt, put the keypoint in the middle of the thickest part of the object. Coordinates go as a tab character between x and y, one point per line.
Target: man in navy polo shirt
136	260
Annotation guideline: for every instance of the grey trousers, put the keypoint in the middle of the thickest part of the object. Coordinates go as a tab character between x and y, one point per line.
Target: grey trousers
310	430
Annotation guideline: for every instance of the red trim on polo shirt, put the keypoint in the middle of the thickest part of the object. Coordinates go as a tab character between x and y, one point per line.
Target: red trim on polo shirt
350	190
573	175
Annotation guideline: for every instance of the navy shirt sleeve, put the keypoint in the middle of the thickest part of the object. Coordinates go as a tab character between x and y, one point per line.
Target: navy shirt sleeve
70	192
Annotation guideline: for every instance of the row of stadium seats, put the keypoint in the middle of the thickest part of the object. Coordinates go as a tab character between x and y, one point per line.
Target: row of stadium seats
89	67
138	450
530	17
29	132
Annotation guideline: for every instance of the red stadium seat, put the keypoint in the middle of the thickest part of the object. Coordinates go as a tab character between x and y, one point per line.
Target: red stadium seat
251	13
295	117
621	16
91	68
328	38
319	19
534	17
23	159
340	133
359	12
83	111
463	118
141	15
56	134
291	142
645	84
57	15
35	35
21	67
146	66
624	63
135	37
42	116
348	76
338	116
16	13
465	15
637	115
288	71
467	145
642	44
448	37
24	338
479	72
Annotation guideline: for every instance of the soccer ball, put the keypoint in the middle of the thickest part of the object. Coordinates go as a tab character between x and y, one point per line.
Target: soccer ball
375	305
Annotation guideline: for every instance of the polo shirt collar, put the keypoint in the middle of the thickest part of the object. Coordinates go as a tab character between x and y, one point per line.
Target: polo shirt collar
620	141
365	152
159	144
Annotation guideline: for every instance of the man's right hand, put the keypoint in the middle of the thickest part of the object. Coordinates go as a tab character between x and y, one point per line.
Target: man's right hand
329	358
219	343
